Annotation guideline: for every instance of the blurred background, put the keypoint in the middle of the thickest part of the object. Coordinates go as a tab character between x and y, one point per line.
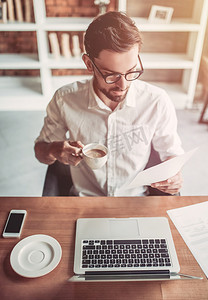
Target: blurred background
41	43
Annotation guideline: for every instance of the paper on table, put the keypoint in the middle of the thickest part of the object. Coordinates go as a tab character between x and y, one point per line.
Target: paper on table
192	224
161	171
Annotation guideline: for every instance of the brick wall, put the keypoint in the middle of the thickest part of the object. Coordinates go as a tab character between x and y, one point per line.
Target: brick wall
74	8
18	42
26	42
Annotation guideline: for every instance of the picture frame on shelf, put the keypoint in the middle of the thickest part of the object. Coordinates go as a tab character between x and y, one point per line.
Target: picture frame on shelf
160	14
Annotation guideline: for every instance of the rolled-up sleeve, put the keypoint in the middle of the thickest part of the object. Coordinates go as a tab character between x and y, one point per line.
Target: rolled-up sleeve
54	128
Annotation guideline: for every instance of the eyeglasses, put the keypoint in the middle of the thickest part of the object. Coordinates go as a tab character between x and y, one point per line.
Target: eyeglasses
114	77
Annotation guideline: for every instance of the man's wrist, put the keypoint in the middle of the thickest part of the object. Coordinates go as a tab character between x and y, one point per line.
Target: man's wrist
51	156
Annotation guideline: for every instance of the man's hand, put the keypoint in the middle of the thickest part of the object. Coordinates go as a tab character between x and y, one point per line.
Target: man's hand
66	152
171	185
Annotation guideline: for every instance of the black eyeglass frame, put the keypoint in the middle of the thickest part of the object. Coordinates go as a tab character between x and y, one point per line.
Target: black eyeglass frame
119	74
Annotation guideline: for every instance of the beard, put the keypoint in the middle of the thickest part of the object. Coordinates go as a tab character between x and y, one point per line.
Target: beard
109	93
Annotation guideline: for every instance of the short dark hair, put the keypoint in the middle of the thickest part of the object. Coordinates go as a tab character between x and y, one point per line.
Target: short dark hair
113	31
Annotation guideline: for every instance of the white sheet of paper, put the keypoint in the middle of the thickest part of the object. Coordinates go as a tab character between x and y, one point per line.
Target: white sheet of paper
161	171
192	224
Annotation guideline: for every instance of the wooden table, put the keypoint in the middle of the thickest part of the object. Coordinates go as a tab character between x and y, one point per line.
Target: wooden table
57	217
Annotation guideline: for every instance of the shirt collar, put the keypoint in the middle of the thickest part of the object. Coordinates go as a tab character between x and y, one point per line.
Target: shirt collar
130	97
94	101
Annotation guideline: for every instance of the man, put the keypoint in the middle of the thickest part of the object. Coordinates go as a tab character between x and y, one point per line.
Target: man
113	108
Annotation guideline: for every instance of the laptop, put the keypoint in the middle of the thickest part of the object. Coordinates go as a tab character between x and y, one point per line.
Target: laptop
124	249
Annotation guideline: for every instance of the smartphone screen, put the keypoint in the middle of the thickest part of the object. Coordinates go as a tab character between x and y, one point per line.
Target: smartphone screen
14	223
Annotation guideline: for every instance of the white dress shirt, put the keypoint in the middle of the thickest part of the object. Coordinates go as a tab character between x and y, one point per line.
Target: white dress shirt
146	115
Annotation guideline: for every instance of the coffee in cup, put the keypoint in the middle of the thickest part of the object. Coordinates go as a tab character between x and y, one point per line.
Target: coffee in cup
95	155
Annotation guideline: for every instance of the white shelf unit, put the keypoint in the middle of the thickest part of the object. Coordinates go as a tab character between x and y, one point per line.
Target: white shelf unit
35	92
182	93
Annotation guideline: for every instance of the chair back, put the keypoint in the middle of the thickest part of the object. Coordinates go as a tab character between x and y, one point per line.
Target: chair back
204	71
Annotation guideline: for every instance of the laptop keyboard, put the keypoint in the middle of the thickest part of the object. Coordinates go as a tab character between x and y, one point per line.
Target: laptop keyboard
141	253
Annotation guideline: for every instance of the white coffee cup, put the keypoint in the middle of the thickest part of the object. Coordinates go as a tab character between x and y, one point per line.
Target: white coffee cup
95	155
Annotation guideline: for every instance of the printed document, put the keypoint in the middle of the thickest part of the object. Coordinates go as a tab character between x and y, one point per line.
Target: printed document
160	172
192	223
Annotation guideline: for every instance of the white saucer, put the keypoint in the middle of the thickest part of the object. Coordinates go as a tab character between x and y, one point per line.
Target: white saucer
35	255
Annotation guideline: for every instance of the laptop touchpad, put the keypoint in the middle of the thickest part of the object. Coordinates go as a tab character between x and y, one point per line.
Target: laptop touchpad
124	228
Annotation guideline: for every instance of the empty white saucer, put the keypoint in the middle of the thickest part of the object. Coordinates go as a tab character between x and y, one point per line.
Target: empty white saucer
35	255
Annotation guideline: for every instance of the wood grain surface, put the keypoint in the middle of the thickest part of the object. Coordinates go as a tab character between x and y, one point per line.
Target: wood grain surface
57	217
